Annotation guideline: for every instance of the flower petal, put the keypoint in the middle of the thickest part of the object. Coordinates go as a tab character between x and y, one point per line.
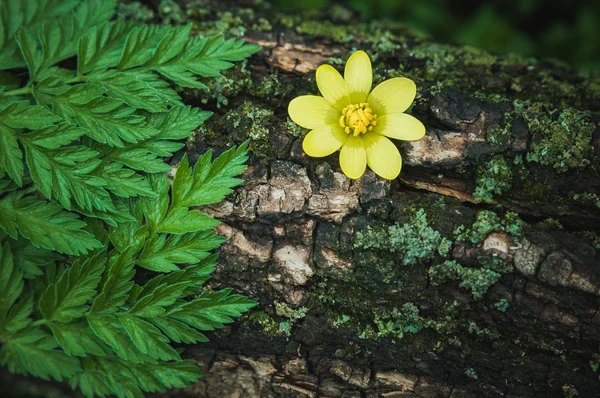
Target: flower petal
333	86
353	158
312	111
359	76
400	126
324	141
392	96
382	156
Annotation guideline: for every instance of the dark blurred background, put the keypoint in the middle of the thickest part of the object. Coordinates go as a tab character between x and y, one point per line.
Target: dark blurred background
566	30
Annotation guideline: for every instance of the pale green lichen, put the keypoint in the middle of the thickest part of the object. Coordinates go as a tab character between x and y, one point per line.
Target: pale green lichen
562	142
338	33
395	323
478	280
493	178
291	315
414	242
587	197
502	305
471	374
254	122
487	221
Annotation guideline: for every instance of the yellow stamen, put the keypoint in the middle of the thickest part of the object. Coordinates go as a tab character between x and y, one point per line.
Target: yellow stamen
357	119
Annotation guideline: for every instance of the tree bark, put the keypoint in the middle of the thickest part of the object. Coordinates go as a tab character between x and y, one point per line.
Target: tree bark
340	319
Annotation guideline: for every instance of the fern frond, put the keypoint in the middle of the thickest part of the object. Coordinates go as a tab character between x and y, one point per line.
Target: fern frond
66	173
106	120
67	298
162	253
138	89
101	46
210	181
25	14
56	39
30	259
35	352
16	116
39	222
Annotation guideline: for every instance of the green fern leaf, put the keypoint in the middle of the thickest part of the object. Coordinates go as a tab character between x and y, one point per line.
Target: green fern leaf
181	220
140	45
35	352
195	276
111	331
106	120
29	258
155	209
179	332
109	375
162	253
140	159
39	221
117	285
178	58
138	89
101	46
211	310
25	14
67	299
19	115
210	182
11	283
122	181
58	36
148	339
19	316
11	157
178	123
66	173
210	55
77	339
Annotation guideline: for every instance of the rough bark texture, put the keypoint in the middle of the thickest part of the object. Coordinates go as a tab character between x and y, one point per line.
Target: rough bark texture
347	311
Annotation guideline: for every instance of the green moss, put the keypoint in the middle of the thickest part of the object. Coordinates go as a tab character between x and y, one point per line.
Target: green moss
499	135
338	33
471	374
171	13
341	320
502	305
478	280
265	322
414	242
231	83
394	323
493	178
262	25
587	197
549	224
291	315
268	87
134	10
254	122
488	221
592	237
561	140
595	362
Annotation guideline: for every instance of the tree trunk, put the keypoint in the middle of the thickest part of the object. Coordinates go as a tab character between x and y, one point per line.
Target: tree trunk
350	307
509	309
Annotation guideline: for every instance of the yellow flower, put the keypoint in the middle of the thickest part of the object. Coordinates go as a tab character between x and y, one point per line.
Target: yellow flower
352	117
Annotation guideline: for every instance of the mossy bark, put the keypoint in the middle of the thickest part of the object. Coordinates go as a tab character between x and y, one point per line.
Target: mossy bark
475	273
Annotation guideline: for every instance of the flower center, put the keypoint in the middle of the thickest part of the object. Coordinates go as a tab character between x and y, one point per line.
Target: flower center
357	119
